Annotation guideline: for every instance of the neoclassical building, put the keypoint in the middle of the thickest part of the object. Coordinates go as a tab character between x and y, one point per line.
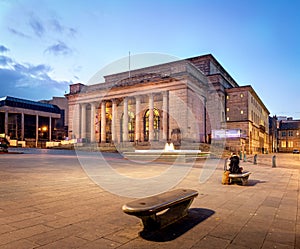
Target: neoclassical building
182	101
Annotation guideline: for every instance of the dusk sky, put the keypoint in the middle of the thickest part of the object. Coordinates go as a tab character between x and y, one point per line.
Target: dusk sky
45	45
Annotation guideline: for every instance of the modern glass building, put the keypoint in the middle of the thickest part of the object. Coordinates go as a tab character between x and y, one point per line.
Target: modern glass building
30	121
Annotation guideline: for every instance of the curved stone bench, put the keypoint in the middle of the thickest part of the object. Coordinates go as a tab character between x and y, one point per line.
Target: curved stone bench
239	178
163	209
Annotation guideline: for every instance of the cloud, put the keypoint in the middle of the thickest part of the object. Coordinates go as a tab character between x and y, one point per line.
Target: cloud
29	81
17	33
60	48
3	49
37	26
62	29
5	61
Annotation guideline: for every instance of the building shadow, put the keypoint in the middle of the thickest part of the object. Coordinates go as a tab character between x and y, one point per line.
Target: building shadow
175	230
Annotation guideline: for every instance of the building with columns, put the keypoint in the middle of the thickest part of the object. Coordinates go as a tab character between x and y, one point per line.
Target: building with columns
182	101
28	121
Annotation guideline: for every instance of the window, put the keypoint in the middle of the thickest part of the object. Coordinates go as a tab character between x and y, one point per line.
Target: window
227	109
283	144
156	124
242	95
227	97
290	133
242	112
283	134
290	144
227	118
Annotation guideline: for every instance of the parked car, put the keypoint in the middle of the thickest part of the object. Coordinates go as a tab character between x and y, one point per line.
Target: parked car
3	144
295	151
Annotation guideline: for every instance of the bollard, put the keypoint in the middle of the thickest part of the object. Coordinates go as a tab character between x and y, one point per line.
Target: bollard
255	159
274	161
241	155
245	157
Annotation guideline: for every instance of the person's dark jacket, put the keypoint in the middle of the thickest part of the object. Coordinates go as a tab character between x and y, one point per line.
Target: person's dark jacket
234	165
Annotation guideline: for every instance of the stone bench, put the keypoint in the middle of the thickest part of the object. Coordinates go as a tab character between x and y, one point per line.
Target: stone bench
161	210
239	178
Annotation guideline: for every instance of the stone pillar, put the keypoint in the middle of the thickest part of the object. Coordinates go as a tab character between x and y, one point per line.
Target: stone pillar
76	121
125	120
6	123
22	126
83	120
36	130
103	122
165	116
137	118
93	112
151	117
114	121
50	128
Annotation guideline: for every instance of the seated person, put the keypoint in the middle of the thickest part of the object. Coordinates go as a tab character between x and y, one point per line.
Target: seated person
234	166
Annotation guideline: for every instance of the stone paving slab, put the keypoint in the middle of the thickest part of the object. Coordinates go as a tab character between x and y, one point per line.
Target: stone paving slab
48	201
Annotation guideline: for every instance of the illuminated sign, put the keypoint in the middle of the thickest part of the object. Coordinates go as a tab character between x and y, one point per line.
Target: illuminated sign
230	133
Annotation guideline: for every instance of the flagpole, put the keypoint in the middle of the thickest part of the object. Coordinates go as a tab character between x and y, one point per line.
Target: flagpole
129	64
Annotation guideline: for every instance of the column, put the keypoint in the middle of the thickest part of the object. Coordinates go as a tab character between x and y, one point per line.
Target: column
76	121
151	117
137	117
50	128
125	120
103	122
22	126
93	111
83	120
165	115
114	120
6	123
36	130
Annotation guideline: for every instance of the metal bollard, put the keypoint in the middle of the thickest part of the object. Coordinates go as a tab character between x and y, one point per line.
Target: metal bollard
274	161
245	157
255	159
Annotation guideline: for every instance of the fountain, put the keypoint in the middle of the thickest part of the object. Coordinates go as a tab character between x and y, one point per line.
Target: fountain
169	153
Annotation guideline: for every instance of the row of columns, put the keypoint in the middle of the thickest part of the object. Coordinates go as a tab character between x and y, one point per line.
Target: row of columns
81	110
6	131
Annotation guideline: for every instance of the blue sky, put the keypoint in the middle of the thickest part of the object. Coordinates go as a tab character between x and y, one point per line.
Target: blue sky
45	45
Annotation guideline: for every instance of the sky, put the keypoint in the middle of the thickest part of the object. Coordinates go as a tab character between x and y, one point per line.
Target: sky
46	45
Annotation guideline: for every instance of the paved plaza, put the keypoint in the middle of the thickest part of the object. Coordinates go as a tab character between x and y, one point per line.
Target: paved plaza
49	199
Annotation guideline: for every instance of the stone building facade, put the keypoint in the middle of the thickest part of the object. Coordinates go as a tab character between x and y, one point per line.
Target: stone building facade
245	111
288	135
154	104
181	101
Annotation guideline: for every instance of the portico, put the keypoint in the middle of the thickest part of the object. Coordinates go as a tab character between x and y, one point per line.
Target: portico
151	105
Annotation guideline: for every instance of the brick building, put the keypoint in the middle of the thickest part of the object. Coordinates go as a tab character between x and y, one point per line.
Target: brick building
182	101
288	135
245	111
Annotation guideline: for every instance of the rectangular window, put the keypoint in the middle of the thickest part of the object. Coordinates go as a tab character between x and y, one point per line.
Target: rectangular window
283	144
227	109
290	133
283	134
227	119
290	144
242	112
242	95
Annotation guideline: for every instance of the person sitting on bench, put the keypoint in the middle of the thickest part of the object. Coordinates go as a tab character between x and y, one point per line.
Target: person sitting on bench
234	164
